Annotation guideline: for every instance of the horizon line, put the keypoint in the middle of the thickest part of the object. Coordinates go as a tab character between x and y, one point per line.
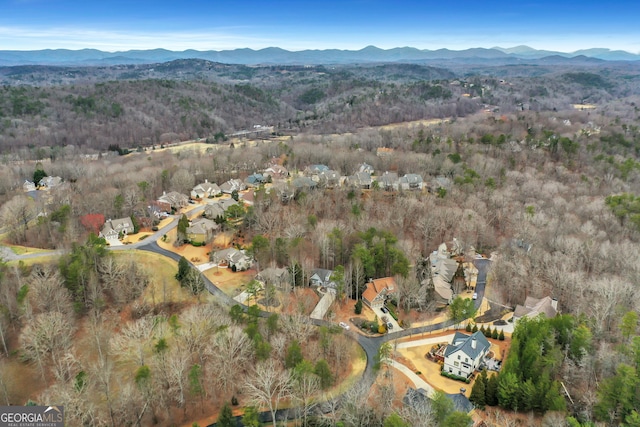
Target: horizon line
496	47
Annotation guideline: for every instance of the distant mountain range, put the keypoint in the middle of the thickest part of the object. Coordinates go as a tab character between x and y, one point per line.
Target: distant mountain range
274	55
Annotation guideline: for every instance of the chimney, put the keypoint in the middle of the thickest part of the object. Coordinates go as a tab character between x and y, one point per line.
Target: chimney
554	303
473	343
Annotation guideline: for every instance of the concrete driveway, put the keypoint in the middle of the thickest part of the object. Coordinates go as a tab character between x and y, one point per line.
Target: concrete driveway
393	321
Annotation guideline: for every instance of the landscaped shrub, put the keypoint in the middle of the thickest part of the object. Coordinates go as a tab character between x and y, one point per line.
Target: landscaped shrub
358	307
455	377
392	310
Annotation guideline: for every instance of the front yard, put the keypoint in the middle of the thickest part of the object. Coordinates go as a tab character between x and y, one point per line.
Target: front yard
414	357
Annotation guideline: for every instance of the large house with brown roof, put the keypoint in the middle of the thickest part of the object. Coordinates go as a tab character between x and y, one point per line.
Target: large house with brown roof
533	307
378	290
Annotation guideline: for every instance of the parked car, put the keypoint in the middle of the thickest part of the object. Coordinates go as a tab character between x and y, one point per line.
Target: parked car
384	309
475	296
344	326
389	326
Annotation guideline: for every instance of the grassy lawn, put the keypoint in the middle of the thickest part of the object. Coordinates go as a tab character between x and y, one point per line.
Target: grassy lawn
24	250
229	282
45	259
163	285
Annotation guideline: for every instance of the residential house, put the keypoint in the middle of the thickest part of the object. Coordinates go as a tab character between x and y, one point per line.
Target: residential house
28	186
159	210
366	168
233	185
284	190
114	228
439	182
205	190
389	181
174	199
201	230
247	197
275	276
411	181
235	259
361	180
49	182
465	354
443	269
254	180
276	172
322	278
377	291
533	307
218	207
213	211
470	274
315	170
329	179
303	183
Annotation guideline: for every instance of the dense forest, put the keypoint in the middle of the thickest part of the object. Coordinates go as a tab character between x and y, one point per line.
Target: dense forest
93	108
550	188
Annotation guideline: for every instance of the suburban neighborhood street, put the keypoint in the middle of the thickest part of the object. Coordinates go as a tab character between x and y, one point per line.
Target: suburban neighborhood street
370	344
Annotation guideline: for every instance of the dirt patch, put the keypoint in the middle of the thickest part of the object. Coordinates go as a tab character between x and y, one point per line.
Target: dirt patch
231	283
22	380
223	240
300	300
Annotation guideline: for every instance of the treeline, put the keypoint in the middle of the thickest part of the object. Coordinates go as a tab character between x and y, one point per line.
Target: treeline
200	101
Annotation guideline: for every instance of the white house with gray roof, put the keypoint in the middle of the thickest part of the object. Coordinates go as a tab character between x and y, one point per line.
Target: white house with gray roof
411	181
205	190
465	353
114	228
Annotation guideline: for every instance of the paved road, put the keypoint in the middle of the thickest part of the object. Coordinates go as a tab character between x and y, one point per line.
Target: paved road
483	268
370	345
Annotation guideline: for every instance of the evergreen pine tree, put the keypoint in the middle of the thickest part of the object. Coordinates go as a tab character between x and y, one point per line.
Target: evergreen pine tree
477	396
491	391
226	419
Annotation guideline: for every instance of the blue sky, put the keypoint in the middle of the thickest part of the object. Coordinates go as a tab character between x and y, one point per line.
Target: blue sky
295	25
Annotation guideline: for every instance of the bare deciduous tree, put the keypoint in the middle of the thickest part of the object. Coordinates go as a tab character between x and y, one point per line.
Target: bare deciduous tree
269	385
48	334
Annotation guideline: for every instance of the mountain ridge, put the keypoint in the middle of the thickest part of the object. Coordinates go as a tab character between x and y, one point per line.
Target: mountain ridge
276	55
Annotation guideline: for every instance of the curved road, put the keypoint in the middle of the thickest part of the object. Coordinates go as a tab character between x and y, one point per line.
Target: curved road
370	345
